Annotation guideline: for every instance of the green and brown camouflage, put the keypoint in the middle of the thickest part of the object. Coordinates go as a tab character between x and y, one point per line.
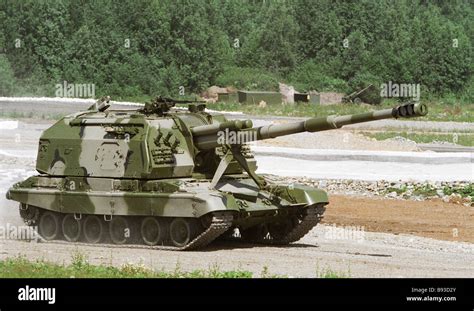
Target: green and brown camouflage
166	172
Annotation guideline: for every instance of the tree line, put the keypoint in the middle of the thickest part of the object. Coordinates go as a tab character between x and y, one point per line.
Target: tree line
146	47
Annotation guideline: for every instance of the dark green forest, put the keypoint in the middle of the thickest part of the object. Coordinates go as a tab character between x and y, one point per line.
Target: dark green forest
134	48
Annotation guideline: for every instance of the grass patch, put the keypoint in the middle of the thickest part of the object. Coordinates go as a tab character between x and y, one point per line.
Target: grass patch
399	191
331	274
20	267
437	110
425	191
266	274
328	273
462	191
432	190
462	139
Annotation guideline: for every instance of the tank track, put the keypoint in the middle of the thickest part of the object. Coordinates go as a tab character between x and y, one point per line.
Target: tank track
312	216
219	225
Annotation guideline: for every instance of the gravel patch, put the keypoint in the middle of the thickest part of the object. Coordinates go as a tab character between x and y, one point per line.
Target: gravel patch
451	192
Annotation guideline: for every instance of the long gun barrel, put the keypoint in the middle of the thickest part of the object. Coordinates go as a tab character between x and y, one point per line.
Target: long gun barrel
209	141
236	125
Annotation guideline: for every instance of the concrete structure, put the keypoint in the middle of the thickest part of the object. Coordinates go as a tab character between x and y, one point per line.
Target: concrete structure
255	97
301	97
227	97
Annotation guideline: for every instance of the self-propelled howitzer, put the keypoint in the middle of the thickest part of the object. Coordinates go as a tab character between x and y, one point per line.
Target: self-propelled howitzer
168	178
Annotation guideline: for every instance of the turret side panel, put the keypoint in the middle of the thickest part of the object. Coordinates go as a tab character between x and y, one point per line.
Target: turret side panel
116	150
99	146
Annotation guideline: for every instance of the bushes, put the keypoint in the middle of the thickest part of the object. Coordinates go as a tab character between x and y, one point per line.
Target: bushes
324	45
248	79
310	76
7	80
468	95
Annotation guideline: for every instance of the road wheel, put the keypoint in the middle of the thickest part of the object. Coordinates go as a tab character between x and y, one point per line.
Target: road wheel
71	228
49	226
182	231
357	101
120	230
93	228
152	231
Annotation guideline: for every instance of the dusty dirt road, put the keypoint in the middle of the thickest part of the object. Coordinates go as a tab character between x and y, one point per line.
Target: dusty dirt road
353	248
432	219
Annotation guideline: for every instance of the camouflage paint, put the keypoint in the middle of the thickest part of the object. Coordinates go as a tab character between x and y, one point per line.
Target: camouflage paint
150	162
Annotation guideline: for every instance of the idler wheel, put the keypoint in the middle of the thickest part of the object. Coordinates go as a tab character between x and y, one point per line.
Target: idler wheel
93	228
49	226
152	231
119	229
29	214
71	228
182	231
